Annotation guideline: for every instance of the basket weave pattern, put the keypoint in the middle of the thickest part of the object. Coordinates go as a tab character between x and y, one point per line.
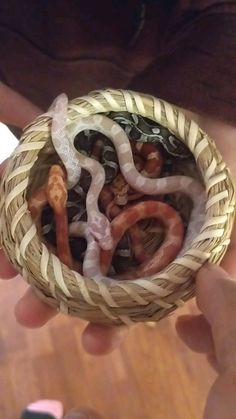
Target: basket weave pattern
120	301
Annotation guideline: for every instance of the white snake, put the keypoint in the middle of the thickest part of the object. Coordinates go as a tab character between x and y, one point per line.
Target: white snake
98	224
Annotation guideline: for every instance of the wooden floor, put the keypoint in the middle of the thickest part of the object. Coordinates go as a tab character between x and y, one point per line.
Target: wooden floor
152	376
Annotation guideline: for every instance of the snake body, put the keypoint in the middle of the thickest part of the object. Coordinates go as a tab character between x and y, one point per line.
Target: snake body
98	227
66	153
168	250
102	150
140	130
144	130
54	192
97	222
97	262
115	196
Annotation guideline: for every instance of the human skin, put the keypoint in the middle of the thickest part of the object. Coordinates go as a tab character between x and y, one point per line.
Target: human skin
213	332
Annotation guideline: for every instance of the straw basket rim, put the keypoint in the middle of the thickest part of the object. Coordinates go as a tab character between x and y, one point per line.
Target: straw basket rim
115	302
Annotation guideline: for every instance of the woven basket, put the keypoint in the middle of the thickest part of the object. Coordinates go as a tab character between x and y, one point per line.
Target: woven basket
121	301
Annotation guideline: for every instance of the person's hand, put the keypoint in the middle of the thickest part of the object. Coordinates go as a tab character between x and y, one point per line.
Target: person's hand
15	109
214	333
225	138
18	111
31	312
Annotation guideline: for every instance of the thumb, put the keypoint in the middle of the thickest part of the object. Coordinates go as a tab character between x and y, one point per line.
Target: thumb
2	167
216	298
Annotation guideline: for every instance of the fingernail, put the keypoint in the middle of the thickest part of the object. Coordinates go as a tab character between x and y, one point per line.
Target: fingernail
52	408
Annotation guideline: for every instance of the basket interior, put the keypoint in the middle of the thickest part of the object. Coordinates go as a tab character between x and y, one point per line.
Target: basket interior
179	161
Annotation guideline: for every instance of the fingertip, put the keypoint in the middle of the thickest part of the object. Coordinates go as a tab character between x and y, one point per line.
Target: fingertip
3	166
209	272
100	340
216	296
209	282
221	399
7	271
195	332
213	272
31	312
182	326
211	358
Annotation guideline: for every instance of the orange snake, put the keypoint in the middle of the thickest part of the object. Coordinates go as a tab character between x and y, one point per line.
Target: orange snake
97	261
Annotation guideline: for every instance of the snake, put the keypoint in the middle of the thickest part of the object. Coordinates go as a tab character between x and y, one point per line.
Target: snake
140	130
171	245
144	130
118	193
97	261
97	222
102	150
54	192
112	210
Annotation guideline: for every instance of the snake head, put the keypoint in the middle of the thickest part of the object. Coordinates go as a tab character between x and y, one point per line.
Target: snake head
99	227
